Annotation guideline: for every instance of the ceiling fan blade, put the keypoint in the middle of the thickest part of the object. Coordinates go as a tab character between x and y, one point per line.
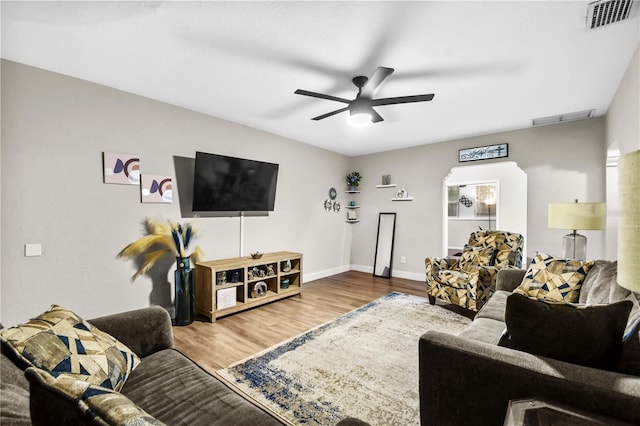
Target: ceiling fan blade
375	117
329	114
402	100
378	77
321	96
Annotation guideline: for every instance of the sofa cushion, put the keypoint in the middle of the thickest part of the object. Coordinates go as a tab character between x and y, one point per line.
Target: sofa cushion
585	335
175	390
61	342
630	356
101	405
484	330
473	257
600	286
14	394
495	306
554	280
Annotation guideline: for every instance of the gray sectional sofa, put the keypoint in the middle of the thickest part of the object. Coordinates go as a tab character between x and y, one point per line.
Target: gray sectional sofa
469	379
166	384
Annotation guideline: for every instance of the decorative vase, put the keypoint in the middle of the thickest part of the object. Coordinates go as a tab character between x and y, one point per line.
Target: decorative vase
184	296
353	188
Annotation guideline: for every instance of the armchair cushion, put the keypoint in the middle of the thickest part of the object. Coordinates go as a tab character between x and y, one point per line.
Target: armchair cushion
584	335
455	279
472	257
507	246
61	342
554	280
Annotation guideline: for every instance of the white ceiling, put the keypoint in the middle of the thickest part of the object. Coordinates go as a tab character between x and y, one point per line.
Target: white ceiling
493	66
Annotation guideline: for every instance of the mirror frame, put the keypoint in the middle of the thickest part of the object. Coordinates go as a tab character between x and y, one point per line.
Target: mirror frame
389	260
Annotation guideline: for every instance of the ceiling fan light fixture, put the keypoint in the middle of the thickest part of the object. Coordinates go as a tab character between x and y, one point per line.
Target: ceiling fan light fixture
360	112
361	118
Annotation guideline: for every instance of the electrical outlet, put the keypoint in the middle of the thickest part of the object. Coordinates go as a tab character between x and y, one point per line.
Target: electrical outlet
403	259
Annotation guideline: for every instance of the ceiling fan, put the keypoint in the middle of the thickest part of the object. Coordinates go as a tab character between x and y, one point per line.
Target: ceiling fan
361	108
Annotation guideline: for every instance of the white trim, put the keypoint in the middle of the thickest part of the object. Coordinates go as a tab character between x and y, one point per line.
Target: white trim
323	274
409	275
359	268
362	268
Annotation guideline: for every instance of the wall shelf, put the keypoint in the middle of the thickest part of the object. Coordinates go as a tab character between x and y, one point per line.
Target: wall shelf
351	207
391	185
352	221
351	192
402	199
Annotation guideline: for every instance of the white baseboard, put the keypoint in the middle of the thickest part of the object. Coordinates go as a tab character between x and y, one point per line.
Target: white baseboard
409	275
394	273
323	274
360	268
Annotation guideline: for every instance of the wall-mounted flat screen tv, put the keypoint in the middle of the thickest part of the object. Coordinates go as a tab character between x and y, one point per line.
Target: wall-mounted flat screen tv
223	184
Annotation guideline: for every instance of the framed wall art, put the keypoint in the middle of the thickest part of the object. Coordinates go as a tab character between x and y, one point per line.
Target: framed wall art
483	152
122	169
156	189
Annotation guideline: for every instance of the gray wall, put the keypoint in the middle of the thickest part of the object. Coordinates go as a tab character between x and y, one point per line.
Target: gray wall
623	127
562	162
55	128
54	131
623	137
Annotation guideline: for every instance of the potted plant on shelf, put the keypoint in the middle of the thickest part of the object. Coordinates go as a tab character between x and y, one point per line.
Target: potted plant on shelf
353	180
166	237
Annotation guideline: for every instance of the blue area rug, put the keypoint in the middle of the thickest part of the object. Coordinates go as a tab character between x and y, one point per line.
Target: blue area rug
363	364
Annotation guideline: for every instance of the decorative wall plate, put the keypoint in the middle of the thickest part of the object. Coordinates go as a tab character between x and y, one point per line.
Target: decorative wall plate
328	204
336	206
333	193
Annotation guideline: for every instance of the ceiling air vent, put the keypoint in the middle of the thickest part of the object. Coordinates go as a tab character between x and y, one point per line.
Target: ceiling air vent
570	116
605	12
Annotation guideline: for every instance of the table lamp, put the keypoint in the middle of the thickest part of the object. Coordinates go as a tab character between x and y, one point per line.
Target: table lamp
629	225
575	216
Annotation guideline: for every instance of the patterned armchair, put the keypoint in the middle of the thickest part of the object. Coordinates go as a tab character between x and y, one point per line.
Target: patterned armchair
470	280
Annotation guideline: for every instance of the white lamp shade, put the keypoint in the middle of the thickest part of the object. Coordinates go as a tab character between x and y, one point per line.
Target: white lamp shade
578	216
629	225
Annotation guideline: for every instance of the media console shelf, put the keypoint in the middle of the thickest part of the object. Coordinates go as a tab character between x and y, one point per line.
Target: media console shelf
227	286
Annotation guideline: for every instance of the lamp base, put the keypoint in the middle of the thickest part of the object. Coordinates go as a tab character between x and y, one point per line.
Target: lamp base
574	246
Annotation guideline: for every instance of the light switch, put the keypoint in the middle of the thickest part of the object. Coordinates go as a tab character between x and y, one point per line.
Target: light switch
34	249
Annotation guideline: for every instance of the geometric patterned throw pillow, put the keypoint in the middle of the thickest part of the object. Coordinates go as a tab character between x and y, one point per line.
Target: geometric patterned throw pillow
104	406
473	257
60	342
554	280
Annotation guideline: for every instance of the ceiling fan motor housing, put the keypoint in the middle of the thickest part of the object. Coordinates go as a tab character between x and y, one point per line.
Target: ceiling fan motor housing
360	105
360	81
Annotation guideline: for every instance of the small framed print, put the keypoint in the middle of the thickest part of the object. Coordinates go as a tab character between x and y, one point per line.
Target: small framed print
156	189
123	169
483	152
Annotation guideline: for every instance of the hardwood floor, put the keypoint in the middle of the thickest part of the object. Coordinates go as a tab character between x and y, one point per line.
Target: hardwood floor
235	337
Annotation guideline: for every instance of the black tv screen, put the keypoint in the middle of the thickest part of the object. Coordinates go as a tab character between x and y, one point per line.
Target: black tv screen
222	184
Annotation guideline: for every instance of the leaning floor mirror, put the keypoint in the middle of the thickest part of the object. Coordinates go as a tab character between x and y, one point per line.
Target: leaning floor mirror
384	245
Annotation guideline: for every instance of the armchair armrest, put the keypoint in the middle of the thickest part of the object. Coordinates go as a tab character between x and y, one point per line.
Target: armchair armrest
509	278
456	372
144	331
434	264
